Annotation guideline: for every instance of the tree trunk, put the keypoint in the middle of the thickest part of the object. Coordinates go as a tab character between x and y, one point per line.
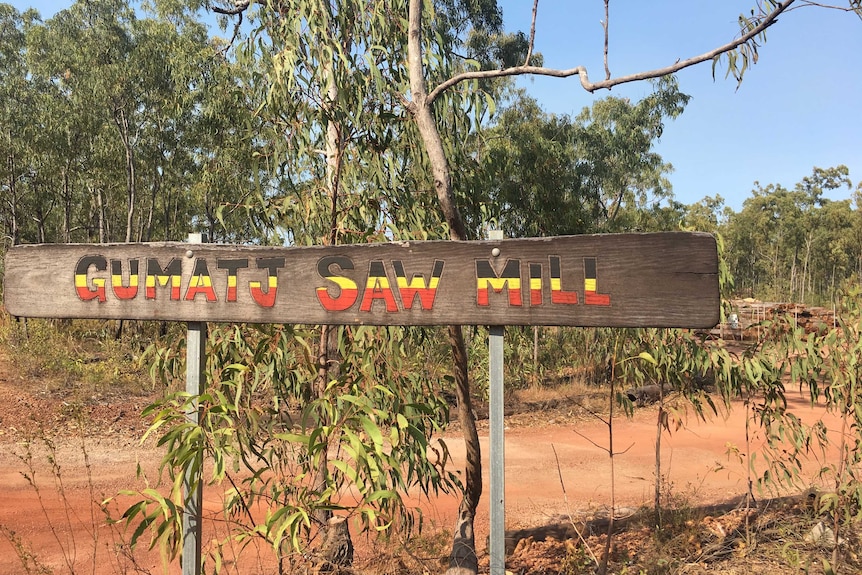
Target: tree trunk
39	218
336	530
602	567
463	557
122	123
166	214
806	272
100	203
147	227
14	230
67	206
658	480
328	368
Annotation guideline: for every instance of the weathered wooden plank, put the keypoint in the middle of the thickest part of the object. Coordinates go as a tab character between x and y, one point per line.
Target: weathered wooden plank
620	280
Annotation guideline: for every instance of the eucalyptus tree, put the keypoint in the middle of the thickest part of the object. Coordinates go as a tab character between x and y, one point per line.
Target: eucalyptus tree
171	60
616	147
552	175
17	101
81	53
757	240
334	159
408	60
709	214
345	79
36	139
227	154
833	250
809	193
325	145
533	182
856	231
119	99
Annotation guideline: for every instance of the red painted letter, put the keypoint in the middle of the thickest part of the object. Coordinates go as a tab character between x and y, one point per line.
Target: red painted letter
347	293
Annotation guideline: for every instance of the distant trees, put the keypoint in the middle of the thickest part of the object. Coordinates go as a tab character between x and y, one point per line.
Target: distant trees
539	174
115	127
797	245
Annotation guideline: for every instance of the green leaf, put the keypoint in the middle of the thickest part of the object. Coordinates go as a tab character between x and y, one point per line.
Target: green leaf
401	421
381	494
372	430
293	438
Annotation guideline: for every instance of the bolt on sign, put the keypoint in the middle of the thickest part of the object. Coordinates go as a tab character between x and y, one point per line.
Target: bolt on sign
620	280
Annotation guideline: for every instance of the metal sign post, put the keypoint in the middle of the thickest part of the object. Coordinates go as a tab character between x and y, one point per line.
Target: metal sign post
497	441
193	485
497	452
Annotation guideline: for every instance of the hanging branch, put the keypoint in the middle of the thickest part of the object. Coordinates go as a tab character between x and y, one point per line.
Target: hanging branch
581	71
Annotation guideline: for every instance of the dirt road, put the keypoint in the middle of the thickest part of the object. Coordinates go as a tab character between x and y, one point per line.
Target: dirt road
554	467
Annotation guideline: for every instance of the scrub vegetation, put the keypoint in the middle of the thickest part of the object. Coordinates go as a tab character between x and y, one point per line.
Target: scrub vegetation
349	122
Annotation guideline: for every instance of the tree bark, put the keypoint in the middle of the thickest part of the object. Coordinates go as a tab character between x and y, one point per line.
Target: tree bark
13	200
147	227
122	123
100	205
462	558
67	205
420	107
336	531
39	218
328	368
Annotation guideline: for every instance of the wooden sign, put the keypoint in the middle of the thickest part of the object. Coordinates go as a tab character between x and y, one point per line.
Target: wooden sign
625	280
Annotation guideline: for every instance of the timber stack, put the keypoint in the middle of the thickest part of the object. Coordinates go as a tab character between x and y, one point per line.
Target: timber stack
746	318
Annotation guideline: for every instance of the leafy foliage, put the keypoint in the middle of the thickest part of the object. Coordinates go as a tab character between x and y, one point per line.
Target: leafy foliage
266	433
545	175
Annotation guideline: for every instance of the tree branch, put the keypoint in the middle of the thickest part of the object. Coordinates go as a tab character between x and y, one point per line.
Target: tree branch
240	6
855	6
532	33
605	25
602	447
607	84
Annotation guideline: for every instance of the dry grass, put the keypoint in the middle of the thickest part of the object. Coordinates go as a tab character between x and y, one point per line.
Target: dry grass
773	538
575	397
78	361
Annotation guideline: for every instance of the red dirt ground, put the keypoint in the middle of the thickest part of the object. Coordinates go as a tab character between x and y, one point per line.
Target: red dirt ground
551	472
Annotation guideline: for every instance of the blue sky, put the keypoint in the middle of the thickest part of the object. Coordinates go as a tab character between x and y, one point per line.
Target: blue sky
799	107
